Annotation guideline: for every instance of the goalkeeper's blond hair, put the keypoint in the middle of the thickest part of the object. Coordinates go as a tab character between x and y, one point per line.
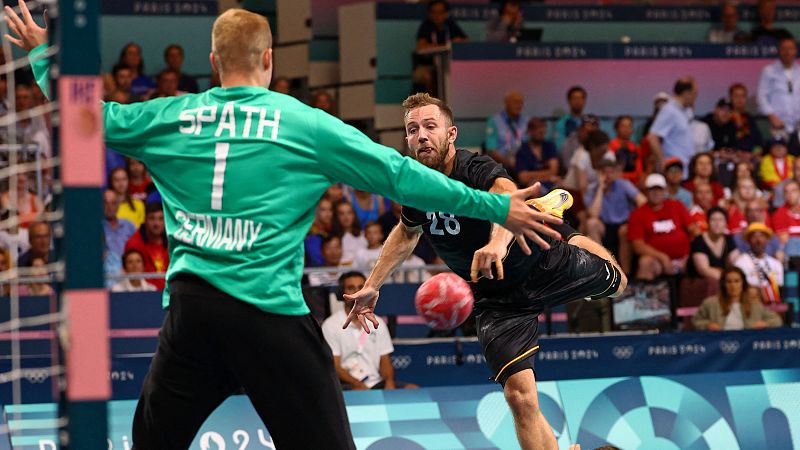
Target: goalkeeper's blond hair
238	39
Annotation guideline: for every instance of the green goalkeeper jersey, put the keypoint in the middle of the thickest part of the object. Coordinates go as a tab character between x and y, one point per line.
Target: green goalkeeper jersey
241	170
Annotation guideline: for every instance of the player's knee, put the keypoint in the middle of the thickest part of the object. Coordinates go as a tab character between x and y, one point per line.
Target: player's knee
523	402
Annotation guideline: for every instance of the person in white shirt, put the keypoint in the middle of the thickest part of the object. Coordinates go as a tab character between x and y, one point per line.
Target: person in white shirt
762	271
346	224
133	262
363	361
582	174
701	136
778	92
368	256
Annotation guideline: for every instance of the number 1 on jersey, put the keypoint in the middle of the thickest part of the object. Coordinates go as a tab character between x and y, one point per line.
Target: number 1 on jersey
220	156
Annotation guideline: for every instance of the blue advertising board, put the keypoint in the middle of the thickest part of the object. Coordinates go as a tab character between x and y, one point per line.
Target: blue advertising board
738	410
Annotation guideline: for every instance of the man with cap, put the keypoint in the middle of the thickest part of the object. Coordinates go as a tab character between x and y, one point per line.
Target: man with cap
777	165
609	207
757	211
673	172
762	271
659	232
671	133
723	130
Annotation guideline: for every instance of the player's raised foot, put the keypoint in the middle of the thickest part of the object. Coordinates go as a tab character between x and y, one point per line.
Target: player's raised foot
554	203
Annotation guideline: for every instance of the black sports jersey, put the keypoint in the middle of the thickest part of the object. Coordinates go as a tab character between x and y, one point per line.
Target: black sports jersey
456	238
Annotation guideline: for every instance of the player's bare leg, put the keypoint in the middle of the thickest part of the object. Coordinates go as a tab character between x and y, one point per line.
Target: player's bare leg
558	201
533	430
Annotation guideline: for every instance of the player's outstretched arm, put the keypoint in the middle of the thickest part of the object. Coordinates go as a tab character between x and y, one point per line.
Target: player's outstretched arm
352	158
32	38
29	34
398	246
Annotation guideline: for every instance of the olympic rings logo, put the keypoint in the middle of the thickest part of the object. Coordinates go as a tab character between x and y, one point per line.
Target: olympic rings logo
622	351
36	376
729	346
401	362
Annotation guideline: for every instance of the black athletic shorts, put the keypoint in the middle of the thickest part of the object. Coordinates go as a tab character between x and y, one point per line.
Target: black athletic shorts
211	346
507	324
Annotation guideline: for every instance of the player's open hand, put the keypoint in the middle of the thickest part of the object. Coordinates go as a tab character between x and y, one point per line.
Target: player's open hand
522	220
484	257
363	309
29	34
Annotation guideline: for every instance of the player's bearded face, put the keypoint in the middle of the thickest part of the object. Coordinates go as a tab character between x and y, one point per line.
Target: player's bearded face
433	152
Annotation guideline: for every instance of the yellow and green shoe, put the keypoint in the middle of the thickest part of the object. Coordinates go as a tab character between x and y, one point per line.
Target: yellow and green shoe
554	203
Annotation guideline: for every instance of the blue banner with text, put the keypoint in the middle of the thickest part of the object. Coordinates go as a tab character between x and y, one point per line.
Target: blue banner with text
739	410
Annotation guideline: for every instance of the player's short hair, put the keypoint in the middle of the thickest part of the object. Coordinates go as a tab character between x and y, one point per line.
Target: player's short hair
421	99
238	39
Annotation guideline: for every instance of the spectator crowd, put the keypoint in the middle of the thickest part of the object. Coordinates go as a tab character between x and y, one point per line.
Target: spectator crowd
712	197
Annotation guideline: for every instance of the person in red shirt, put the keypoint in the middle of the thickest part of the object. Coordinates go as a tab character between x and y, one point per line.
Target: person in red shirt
626	151
786	221
701	170
151	241
744	191
659	232
138	179
703	201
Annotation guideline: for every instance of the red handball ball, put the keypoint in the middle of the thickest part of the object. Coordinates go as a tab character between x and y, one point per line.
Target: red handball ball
444	301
